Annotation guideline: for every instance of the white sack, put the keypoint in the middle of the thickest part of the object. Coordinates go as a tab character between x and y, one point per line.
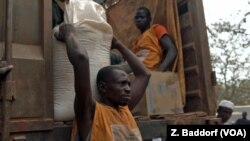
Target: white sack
94	34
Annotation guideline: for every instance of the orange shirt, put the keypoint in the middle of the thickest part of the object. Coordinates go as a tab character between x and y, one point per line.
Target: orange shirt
147	46
110	124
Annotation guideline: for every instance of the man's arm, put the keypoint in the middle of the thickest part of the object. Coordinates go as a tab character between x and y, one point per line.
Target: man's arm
171	52
141	74
84	104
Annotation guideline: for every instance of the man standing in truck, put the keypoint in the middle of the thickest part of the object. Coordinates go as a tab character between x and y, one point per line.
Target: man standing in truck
154	46
110	119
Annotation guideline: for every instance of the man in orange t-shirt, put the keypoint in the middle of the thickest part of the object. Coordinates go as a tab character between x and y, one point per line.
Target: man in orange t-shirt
154	46
110	118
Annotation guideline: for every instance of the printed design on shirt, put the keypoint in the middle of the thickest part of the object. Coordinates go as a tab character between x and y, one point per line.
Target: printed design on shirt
142	54
124	133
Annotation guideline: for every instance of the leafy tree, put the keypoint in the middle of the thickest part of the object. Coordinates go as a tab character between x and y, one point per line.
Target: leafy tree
229	45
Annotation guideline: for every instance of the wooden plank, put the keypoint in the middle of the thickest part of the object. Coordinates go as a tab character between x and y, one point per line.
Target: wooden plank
48	110
186	21
194	93
191	82
25	51
26	125
190	58
34	136
152	129
187	36
193	69
193	104
189	47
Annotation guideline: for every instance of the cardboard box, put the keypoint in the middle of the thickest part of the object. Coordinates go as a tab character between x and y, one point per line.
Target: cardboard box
162	96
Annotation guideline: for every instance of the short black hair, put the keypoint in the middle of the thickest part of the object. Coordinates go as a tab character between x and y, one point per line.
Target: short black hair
146	10
105	72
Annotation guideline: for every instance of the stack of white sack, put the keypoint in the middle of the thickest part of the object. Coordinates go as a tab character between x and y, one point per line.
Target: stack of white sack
94	34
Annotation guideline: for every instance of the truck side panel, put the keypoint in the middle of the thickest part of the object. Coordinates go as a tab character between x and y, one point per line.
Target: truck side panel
32	107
